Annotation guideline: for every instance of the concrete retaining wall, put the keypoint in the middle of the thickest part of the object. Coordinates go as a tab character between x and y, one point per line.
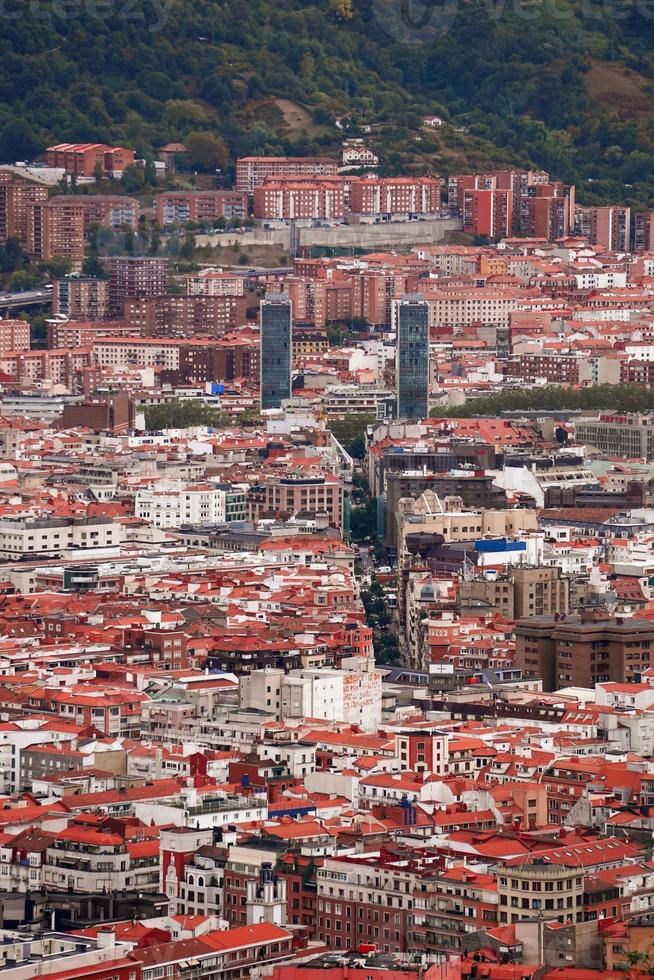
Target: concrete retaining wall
390	233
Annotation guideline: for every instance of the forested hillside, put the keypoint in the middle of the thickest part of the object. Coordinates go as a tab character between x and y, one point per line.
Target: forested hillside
565	86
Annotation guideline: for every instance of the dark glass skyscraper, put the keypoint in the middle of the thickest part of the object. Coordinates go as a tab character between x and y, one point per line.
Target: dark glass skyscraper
275	350
412	365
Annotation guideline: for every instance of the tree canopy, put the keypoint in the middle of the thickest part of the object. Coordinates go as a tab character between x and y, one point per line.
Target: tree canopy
178	414
544	86
623	397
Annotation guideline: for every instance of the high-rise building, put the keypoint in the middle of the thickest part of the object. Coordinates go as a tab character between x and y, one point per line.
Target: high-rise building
81	297
56	227
606	226
547	211
412	357
134	277
644	231
276	312
488	213
16	198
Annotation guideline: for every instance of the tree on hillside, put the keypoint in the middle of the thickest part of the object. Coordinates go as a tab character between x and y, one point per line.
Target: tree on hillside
207	151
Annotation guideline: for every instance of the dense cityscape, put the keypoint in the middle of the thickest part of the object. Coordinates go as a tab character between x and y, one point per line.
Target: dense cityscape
327	586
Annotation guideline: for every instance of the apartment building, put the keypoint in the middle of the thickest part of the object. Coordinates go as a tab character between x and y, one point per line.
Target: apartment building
391	196
180	207
57	227
488	213
121	352
51	537
606	226
308	299
463	307
133	277
547	211
79	333
59	366
556	368
81	298
16	199
584	650
229	358
538	890
93	859
185	316
14	336
251	172
370	898
643	231
286	200
175	504
110	211
614	434
458	184
519	592
82	159
310	495
536	208
334	695
214	282
637	372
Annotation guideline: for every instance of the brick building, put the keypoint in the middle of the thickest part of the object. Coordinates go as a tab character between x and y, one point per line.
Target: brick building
227	360
56	227
178	207
81	159
488	213
284	200
133	277
606	226
547	211
115	413
110	211
62	366
81	297
644	231
16	199
582	651
251	172
396	196
14	335
185	316
80	333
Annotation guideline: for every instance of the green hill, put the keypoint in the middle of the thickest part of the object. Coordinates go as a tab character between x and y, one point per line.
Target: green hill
563	86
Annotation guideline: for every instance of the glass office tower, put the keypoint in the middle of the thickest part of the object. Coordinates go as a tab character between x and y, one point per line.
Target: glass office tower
275	350
412	364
